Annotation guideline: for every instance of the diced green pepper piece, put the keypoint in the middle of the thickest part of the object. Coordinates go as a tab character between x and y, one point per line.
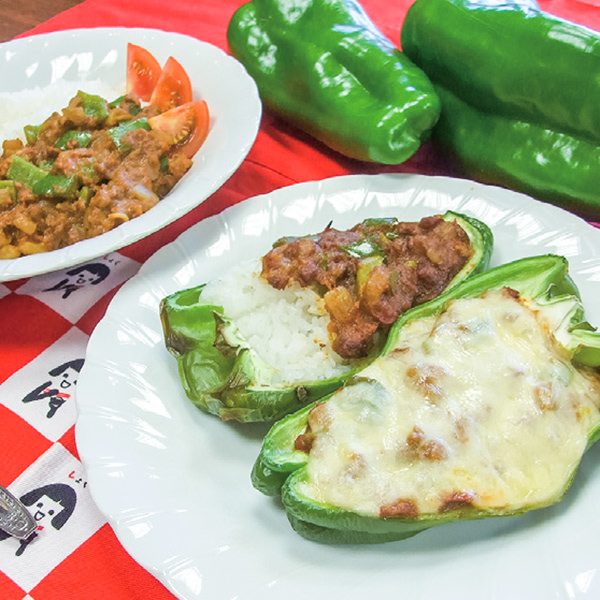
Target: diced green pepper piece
363	248
83	139
85	193
132	107
118	132
93	105
24	172
367	264
86	171
31	133
163	161
376	221
46	164
116	102
324	66
8	190
57	186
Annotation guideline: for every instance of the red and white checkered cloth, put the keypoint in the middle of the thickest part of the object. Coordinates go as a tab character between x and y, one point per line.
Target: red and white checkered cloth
45	323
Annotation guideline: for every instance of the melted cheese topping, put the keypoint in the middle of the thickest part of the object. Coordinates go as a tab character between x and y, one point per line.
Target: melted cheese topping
476	406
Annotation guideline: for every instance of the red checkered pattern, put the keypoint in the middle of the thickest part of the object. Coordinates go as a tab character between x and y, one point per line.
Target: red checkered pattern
45	323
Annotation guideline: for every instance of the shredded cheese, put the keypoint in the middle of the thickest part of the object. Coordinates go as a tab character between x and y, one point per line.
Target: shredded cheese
477	406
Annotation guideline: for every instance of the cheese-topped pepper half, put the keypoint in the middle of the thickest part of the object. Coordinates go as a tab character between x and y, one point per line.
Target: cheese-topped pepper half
479	406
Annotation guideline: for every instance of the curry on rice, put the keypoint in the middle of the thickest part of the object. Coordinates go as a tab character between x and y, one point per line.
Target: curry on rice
370	274
83	172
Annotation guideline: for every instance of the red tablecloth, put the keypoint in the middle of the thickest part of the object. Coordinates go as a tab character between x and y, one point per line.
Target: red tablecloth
45	323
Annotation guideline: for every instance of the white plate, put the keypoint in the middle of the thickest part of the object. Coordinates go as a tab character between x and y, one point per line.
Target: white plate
91	55
175	482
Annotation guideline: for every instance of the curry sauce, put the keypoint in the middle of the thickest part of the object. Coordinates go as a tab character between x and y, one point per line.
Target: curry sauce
371	273
83	172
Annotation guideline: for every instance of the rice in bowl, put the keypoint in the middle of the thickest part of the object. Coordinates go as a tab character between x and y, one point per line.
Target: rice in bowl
34	105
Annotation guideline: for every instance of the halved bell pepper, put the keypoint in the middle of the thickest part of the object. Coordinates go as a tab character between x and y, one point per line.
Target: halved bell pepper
481	405
326	68
519	96
222	374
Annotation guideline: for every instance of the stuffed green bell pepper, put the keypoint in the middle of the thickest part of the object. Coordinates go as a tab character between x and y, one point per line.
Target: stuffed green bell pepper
251	346
481	405
519	95
325	67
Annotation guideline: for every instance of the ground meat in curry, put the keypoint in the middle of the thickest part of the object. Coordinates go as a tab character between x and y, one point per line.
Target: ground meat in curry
370	274
115	183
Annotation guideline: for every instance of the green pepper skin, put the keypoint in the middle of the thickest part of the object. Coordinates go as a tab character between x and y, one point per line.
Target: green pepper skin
326	68
24	172
280	466
550	165
31	133
482	242
10	190
40	181
221	376
94	106
57	186
74	137
519	96
118	132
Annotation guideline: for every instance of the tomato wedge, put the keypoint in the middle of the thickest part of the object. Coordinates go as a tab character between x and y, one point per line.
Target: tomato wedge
173	87
188	125
143	72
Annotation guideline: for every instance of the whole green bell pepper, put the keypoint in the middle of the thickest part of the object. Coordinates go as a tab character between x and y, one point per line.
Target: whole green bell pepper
221	373
428	468
519	95
325	67
74	138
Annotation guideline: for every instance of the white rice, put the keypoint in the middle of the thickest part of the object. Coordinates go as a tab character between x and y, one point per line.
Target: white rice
287	328
33	106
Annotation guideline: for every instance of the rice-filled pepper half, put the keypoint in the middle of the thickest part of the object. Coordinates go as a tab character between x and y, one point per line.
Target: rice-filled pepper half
277	333
481	405
519	92
326	68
